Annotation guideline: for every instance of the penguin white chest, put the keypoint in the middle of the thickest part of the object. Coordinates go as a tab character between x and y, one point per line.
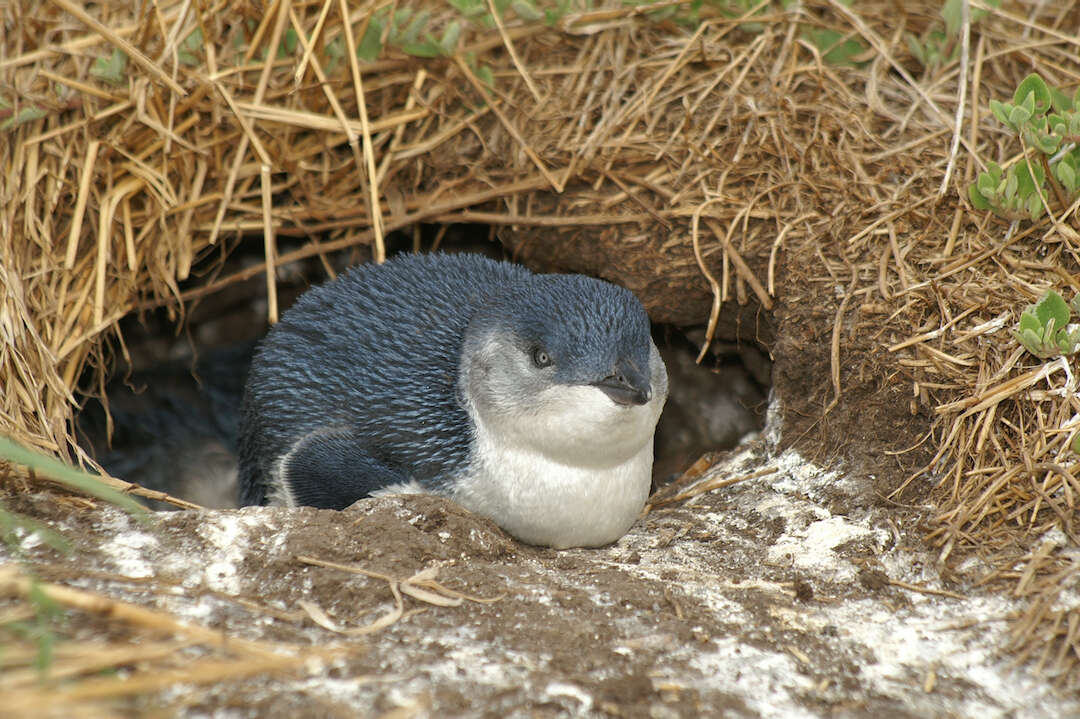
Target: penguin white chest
575	473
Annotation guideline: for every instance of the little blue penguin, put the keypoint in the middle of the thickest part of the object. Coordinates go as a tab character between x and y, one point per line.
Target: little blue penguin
530	399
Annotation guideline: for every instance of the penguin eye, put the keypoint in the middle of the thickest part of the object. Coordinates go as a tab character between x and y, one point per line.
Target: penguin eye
541	358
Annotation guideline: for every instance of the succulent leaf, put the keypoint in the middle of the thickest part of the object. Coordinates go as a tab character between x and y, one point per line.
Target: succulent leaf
1051	307
1002	111
1028	320
1033	93
1035	207
977	200
1018	115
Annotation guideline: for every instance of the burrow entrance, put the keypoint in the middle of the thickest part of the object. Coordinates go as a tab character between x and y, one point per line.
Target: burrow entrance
176	385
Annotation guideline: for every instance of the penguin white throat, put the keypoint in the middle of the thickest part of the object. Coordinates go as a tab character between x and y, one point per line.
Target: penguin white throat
557	465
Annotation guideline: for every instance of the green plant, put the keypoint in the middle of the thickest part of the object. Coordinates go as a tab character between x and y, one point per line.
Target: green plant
1047	122
190	47
408	32
940	43
1044	329
111	69
40	628
75	478
9	118
836	48
14	527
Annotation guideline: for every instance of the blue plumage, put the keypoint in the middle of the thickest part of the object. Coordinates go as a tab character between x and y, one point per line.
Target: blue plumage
364	382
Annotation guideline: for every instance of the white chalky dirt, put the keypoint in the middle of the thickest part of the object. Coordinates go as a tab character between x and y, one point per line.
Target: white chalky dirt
751	649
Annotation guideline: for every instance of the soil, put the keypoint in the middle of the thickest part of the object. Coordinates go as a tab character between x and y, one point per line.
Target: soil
773	597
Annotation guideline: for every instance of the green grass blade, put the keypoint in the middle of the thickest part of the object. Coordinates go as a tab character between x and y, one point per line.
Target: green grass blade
74	478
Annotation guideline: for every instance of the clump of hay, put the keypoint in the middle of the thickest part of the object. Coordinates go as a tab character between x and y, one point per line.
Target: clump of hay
699	156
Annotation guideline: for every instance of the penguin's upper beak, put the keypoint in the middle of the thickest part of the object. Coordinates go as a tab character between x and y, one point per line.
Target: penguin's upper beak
627	385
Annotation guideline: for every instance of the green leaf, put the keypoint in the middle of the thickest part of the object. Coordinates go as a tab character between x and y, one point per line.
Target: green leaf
1002	111
1048	144
1038	174
1028	175
833	46
74	478
335	54
111	69
1029	321
1035	206
1033	343
335	49
484	73
1075	444
1051	306
371	44
1056	124
450	38
1032	89
288	44
553	16
194	41
952	14
424	48
471	9
1029	103
1074	124
917	49
1017	116
188	52
977	200
1067	176
978	14
1012	183
526	10
1068	341
397	21
44	657
24	115
412	32
1060	101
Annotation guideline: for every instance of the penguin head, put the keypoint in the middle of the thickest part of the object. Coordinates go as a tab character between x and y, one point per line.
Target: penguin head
565	365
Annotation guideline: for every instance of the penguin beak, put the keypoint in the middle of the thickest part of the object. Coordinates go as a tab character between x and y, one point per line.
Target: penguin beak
626	386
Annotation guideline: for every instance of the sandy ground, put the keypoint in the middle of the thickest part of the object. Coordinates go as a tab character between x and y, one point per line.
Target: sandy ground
777	596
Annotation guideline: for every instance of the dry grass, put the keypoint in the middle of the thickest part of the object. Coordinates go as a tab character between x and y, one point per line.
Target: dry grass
152	649
700	166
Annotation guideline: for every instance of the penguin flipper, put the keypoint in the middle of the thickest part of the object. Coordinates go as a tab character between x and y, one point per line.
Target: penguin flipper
331	470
